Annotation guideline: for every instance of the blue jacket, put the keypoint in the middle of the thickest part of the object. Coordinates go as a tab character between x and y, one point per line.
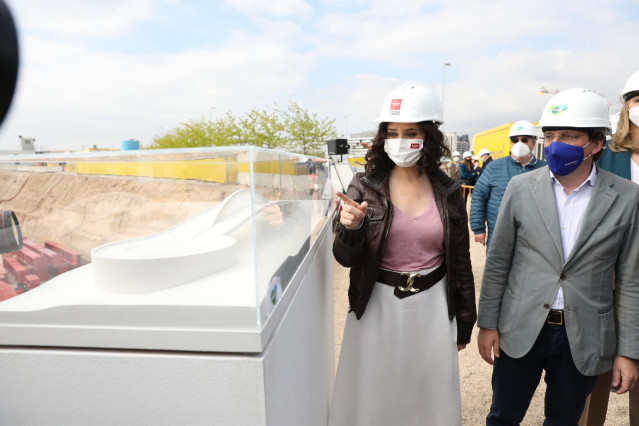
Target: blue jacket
616	162
467	176
489	190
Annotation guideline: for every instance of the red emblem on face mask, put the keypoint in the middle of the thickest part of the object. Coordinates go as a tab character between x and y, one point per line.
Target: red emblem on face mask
396	104
414	146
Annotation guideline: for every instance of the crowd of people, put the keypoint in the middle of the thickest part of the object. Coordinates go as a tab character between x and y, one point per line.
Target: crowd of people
559	293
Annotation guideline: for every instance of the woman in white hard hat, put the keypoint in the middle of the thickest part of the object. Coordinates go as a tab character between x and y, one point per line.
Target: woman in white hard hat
403	232
621	158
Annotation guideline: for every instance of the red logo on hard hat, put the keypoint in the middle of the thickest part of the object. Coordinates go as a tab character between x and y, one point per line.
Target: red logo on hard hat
396	104
414	146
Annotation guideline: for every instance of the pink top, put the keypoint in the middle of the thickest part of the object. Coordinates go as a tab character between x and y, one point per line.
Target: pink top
414	243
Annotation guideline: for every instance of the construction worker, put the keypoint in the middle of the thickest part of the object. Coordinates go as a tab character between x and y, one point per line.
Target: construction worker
445	166
454	166
492	183
486	158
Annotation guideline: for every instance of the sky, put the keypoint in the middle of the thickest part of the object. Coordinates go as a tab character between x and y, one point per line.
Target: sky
100	72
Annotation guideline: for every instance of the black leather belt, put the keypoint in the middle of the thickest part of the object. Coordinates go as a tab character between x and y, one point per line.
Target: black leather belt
555	317
409	283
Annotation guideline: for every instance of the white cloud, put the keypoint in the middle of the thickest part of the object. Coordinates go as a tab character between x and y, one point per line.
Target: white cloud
136	94
274	8
80	17
336	58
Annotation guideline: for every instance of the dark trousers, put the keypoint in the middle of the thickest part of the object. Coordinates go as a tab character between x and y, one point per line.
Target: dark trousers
515	381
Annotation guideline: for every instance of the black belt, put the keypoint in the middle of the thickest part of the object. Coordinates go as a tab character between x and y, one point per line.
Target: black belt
555	317
409	283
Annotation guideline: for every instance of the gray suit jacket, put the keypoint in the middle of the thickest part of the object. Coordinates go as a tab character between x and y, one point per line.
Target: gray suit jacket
525	267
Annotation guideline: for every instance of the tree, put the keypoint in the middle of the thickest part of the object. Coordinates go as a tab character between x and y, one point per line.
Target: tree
202	132
294	129
263	128
308	134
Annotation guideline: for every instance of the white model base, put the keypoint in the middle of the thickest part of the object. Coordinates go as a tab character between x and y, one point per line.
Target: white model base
289	383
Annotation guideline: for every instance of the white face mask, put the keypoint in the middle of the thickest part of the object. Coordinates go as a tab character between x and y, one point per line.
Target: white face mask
404	152
456	159
520	150
633	114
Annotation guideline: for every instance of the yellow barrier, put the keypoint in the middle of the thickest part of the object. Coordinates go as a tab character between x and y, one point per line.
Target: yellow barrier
467	188
209	170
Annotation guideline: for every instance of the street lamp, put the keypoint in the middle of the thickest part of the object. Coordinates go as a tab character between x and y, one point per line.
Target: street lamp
211	113
446	64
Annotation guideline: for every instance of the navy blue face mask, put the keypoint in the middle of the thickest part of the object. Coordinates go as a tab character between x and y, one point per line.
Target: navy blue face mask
564	159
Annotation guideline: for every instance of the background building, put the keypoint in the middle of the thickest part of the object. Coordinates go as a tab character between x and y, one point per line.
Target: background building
457	142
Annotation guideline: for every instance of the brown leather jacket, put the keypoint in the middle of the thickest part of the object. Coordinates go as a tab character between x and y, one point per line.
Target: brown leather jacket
362	249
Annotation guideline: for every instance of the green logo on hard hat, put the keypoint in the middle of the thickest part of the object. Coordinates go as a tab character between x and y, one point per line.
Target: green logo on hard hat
557	109
519	128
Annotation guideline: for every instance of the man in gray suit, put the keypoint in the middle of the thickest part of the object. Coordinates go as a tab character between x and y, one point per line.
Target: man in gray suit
546	303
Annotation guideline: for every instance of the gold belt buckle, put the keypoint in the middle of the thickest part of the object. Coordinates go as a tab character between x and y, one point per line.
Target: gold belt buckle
561	319
409	282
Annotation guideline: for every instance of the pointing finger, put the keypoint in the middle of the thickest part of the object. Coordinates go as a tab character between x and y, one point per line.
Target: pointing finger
347	200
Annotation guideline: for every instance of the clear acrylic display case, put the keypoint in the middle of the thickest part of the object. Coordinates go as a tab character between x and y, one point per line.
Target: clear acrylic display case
192	249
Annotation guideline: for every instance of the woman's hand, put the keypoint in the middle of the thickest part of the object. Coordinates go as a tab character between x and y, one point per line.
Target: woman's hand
353	213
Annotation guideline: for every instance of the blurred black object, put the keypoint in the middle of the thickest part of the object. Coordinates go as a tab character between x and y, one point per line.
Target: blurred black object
337	146
8	59
10	234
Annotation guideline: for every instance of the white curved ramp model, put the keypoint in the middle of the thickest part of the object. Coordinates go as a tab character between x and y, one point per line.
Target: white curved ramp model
192	249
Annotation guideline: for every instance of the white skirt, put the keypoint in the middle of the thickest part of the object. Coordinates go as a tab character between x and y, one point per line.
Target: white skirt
398	364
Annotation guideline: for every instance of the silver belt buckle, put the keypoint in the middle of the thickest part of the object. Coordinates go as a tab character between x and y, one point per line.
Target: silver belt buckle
409	282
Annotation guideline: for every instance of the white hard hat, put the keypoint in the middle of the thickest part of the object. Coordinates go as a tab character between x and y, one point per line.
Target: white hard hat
581	108
456	154
483	151
467	154
445	160
522	128
632	85
411	103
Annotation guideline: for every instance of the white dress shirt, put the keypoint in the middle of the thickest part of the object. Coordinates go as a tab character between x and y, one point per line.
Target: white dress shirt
571	209
634	172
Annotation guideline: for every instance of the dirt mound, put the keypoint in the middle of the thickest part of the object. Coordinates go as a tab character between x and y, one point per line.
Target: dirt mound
82	212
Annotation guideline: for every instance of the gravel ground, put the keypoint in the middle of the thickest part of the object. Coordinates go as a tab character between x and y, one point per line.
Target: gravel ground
474	372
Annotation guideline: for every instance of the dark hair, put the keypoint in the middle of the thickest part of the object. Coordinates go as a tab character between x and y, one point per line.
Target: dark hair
377	161
594	134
